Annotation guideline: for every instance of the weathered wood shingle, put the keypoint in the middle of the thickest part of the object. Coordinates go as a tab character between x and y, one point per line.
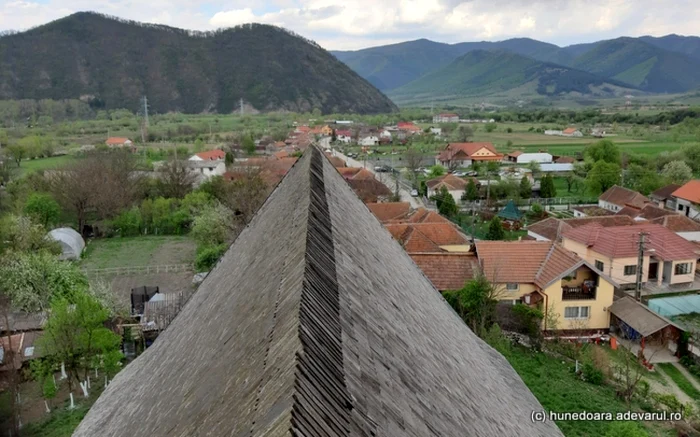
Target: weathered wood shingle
316	323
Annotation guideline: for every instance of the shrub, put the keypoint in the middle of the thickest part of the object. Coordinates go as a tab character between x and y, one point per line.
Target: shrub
207	257
592	374
667	400
128	223
625	429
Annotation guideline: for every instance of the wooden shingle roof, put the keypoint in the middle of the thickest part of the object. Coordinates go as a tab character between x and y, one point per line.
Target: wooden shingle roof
316	322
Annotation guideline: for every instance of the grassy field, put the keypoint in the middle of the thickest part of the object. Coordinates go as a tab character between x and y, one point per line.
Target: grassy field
138	251
680	380
34	165
557	387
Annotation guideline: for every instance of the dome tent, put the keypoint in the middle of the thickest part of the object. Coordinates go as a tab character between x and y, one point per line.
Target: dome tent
72	244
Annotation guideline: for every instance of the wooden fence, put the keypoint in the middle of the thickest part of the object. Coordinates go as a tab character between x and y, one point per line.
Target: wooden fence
139	270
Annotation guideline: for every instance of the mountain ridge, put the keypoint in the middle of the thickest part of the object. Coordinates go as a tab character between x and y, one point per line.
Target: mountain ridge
114	62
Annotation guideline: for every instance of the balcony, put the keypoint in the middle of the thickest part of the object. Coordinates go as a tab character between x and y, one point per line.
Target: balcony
578	293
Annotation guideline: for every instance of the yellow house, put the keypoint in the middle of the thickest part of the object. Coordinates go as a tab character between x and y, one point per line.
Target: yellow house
571	292
667	259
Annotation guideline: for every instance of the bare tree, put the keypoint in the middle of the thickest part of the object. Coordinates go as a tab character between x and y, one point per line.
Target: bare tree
413	161
244	195
175	179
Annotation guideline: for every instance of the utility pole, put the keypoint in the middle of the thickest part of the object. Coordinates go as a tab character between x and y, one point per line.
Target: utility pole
144	125
241	104
640	265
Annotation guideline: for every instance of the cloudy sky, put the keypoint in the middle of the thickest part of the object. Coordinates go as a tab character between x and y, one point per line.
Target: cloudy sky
353	24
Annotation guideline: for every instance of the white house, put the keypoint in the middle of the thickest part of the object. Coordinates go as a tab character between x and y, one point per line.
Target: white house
616	198
437	131
370	140
385	133
207	168
571	132
553	132
118	142
541	158
688	199
446	118
209	155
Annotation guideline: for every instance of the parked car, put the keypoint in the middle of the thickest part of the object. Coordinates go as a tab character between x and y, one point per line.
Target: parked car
414	192
460	174
379	168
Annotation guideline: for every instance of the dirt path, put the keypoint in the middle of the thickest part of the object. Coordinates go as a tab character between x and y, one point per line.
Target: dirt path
693	380
670	388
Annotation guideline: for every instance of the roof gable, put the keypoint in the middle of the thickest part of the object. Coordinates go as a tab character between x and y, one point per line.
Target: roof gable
389	210
622	196
664	193
690	191
211	155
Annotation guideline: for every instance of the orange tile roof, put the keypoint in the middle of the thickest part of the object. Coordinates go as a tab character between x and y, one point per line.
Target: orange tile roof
426	237
280	154
623	241
468	149
690	191
389	210
622	196
569	130
116	140
532	262
564	160
212	155
364	174
552	228
348	172
515	154
447	271
451	181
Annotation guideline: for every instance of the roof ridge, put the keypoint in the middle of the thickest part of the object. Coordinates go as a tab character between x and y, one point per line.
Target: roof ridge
544	262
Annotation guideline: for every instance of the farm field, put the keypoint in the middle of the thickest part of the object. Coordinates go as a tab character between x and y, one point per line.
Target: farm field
34	165
138	251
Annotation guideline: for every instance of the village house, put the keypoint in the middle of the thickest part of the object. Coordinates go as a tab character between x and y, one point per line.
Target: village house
429	237
455	185
526	158
446	117
668	258
408	127
616	198
681	225
369	140
571	132
687	199
209	155
463	154
448	270
546	275
437	131
207	169
343	135
663	197
563	159
590	211
118	142
385	133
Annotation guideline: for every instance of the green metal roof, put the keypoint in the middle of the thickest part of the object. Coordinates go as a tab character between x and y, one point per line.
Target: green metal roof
510	212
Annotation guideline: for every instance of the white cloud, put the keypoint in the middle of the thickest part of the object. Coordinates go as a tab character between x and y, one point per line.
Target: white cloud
351	24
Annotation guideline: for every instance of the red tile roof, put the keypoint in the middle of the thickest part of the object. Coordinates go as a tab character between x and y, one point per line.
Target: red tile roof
369	190
111	141
651	212
468	149
569	130
690	191
677	223
515	154
212	155
426	237
594	211
451	181
447	271
552	228
389	210
533	262
281	154
564	160
622	196
344	133
623	241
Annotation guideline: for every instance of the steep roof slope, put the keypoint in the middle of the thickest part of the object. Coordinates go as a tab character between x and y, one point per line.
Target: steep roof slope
690	191
118	62
624	196
327	329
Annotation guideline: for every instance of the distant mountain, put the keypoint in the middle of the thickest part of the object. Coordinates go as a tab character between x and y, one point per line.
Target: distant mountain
114	63
391	66
642	65
688	45
482	73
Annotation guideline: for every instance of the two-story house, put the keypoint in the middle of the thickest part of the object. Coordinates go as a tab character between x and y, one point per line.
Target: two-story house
463	154
616	198
687	199
209	155
570	291
446	117
667	258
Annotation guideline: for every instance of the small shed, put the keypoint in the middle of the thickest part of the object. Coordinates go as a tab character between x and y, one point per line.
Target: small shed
72	244
510	212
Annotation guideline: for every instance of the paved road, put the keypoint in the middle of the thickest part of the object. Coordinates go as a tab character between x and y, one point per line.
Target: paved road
387	179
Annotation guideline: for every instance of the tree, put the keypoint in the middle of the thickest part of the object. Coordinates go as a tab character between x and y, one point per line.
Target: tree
495	231
17	152
440	196
436	171
448	207
525	188
244	196
175	179
547	188
464	133
472	192
642	179
492	167
413	159
43	209
692	156
248	144
198	145
214	225
535	168
475	303
603	150
34	279
490	127
19	234
677	172
573	182
602	176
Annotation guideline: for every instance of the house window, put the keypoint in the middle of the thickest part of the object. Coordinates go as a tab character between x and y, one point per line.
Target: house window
577	312
599	265
514	301
512	286
682	268
680	207
630	270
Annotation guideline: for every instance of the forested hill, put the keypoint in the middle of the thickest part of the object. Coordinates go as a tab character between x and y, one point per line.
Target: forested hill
114	63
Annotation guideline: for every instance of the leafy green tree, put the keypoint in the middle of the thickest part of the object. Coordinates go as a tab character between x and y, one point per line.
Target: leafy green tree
475	303
440	196
436	171
492	167
642	179
43	209
476	166
692	156
34	280
496	231
472	192
464	133
43	372
602	176
525	188
198	145
573	182
207	257
490	127
213	226
677	172
20	234
448	206
535	168
603	150
248	144
547	188
423	188
17	152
